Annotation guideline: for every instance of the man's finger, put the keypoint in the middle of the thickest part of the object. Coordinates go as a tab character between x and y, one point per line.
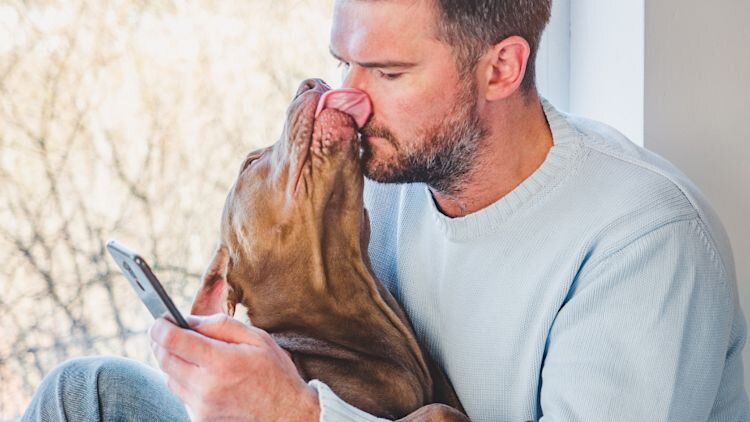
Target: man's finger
174	366
225	328
186	344
179	390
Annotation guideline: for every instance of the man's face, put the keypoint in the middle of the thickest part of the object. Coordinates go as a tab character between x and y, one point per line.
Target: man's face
425	126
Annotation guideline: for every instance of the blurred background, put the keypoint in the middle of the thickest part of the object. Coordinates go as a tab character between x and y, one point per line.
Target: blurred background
127	120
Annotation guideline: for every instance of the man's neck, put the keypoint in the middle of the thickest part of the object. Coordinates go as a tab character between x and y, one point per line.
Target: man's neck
517	145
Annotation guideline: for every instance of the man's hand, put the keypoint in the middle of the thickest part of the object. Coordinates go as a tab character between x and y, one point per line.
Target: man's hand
225	369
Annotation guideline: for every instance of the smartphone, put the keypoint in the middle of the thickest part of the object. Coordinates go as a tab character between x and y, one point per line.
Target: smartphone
145	283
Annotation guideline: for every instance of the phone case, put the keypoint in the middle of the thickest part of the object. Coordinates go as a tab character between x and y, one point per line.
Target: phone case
144	282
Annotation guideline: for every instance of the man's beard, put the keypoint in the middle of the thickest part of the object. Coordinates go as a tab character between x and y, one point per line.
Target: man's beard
441	157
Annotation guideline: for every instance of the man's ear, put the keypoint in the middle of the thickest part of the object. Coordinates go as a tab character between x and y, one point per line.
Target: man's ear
504	67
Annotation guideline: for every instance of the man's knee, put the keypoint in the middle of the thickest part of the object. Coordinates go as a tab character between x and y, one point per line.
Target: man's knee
105	388
102	374
118	375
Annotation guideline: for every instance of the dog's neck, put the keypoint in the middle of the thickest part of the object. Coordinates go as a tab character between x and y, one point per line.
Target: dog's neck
324	294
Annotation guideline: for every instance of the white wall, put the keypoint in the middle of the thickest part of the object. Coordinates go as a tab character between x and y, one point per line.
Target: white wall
590	62
697	109
553	57
606	63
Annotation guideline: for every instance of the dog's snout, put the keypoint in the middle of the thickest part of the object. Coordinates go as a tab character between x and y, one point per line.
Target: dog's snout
312	84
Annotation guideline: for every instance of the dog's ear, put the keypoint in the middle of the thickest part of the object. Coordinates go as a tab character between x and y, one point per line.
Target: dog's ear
215	295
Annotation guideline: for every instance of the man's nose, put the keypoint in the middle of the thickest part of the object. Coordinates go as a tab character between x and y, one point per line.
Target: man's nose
355	77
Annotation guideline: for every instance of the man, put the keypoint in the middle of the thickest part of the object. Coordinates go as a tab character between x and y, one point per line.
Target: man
555	271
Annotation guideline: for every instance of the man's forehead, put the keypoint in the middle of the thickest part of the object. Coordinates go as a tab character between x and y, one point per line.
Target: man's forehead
361	26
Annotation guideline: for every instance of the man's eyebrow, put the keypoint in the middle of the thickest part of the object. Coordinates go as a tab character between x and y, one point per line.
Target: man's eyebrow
385	64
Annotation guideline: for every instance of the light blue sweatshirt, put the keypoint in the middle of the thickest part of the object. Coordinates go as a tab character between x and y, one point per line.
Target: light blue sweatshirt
601	289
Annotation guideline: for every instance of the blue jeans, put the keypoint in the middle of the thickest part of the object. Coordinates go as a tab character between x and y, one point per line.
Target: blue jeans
104	389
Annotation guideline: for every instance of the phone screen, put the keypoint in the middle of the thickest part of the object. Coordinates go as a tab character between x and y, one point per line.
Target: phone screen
144	282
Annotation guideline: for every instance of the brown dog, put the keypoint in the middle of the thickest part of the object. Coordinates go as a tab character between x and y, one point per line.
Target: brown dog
294	237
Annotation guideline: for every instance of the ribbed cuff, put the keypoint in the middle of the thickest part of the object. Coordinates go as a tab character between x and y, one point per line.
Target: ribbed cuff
333	409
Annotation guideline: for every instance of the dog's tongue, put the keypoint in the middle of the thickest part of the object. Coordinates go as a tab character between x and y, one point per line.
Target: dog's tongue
347	100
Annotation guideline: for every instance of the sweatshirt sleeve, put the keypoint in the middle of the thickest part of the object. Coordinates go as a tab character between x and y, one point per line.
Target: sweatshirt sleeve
646	333
333	409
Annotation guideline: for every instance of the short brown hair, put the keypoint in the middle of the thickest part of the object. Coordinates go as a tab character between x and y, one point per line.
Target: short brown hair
473	26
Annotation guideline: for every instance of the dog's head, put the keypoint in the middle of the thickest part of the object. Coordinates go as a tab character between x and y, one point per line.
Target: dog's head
280	210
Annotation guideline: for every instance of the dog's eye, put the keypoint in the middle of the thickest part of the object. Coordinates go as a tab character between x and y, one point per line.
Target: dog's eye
253	156
248	161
